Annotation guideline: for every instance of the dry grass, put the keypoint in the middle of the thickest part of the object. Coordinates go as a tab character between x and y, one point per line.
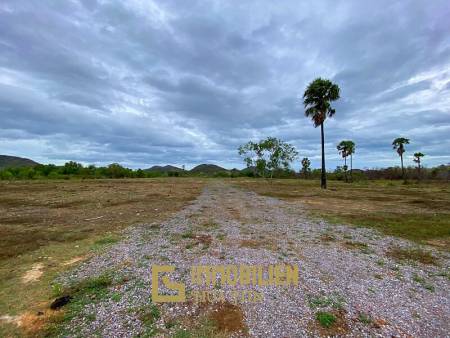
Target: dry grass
53	222
34	214
418	255
264	243
419	212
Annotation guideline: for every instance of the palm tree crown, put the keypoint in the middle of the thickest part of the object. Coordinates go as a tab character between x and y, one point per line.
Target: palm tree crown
417	157
399	144
346	148
317	100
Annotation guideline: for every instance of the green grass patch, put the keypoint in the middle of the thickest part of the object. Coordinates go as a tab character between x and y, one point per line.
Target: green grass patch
365	318
108	240
87	291
326	319
188	234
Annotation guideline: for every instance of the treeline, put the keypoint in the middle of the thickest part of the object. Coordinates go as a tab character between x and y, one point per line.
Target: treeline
77	170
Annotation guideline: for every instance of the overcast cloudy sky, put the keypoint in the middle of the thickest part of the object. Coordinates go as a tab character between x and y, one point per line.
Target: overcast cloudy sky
144	82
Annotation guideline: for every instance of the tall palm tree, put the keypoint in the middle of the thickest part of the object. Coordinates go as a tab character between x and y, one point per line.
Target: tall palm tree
342	147
317	101
417	159
399	145
347	148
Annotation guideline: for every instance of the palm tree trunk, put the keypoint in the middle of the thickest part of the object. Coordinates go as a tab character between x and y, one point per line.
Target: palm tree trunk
323	180
403	169
345	169
420	176
351	167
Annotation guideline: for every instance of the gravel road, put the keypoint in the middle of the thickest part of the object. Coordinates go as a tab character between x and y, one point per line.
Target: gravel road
344	271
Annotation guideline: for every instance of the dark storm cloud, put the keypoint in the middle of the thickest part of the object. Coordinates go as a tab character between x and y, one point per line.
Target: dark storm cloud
146	82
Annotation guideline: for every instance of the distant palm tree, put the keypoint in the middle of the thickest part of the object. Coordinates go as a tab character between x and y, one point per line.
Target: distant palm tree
306	166
417	159
399	145
347	148
351	150
317	100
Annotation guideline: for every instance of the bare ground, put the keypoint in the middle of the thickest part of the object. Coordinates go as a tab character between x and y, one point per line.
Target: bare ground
347	272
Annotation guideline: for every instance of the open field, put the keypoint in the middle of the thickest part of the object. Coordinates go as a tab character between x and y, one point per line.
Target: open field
64	238
48	226
418	212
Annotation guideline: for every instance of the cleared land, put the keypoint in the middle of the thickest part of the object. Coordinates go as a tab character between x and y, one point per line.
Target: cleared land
49	226
416	211
349	275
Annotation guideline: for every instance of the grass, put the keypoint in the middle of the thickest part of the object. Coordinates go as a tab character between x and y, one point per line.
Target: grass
148	316
334	301
87	291
423	282
418	212
418	255
326	319
365	318
54	222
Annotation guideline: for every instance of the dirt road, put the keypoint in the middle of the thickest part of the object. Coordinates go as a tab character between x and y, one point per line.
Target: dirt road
349	283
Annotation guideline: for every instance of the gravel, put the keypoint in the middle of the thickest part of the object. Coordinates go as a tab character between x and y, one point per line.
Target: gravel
370	293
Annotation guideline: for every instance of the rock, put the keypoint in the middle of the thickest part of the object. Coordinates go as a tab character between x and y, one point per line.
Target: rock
59	302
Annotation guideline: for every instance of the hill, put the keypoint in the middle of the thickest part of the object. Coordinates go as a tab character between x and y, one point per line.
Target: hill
164	169
208	169
15	162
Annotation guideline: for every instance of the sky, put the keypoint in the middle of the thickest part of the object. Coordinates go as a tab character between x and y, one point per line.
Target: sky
145	83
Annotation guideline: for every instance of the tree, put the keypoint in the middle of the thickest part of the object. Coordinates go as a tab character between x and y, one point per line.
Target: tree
270	154
317	101
306	167
347	148
399	145
253	157
417	159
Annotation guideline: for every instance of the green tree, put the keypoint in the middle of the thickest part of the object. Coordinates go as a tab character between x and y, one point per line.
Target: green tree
317	101
306	167
271	154
399	145
418	159
71	168
253	157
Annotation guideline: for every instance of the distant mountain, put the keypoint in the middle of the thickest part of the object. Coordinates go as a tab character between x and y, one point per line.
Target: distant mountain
164	169
207	169
15	162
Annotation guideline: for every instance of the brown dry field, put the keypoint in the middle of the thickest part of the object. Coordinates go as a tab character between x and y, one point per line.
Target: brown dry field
64	222
58	224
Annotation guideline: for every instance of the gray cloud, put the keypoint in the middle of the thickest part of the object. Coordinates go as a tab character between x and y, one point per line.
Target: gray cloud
154	82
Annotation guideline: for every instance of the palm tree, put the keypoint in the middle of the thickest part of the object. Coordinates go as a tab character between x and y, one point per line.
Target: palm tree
347	148
351	147
317	101
417	159
343	150
399	145
306	167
